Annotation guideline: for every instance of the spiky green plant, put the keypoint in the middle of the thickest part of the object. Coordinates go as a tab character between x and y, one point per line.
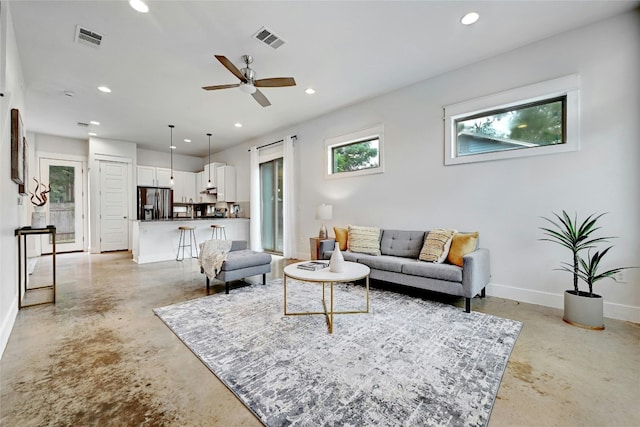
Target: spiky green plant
574	236
588	269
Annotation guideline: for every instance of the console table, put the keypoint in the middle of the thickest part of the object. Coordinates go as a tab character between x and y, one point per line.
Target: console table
22	234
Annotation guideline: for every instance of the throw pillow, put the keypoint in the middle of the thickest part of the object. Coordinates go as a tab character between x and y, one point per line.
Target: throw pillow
436	245
341	237
364	240
461	244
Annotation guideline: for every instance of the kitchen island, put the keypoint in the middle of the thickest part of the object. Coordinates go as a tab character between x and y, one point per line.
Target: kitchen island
157	240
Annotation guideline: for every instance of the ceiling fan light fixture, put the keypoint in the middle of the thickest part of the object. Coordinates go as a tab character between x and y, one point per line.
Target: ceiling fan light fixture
470	18
248	88
139	6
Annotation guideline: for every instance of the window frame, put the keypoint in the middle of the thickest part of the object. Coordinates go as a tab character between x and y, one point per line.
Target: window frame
568	86
375	132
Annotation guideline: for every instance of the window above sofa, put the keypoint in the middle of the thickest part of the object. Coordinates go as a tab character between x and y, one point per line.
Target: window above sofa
542	118
357	153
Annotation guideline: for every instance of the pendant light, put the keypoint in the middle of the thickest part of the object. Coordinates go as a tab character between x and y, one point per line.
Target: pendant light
171	147
209	168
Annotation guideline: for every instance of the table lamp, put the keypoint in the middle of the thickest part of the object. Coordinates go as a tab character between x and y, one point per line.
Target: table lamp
324	213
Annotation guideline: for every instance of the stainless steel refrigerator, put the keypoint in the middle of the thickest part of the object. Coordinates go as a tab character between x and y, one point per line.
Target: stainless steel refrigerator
155	203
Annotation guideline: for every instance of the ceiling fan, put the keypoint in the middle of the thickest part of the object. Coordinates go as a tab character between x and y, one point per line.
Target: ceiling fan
248	83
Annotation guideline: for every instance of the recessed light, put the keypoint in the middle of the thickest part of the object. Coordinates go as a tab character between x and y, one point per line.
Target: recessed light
470	18
238	125
104	89
310	91
173	147
93	122
187	140
139	6
93	134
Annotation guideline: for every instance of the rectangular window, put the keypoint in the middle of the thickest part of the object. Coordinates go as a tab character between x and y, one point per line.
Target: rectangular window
358	153
537	119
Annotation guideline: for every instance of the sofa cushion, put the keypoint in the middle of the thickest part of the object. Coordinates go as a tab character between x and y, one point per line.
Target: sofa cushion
461	244
245	258
436	245
383	262
402	243
341	237
451	273
364	240
351	256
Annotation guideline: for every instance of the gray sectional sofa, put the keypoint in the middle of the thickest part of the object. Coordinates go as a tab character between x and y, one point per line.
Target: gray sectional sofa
399	264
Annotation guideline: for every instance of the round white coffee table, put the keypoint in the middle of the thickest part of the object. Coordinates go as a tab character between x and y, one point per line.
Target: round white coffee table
352	271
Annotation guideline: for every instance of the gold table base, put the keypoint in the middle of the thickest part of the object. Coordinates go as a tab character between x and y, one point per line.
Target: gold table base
330	312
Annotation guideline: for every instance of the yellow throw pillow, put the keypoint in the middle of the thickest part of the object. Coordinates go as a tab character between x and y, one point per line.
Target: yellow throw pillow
461	245
341	237
436	245
364	240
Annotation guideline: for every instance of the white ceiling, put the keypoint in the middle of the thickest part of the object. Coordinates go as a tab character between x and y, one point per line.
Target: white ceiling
156	63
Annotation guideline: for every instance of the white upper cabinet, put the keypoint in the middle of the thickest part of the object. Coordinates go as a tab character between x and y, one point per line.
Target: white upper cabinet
153	177
210	171
226	183
184	187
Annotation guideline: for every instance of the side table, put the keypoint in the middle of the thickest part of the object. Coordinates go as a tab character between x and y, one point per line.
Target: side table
22	234
314	243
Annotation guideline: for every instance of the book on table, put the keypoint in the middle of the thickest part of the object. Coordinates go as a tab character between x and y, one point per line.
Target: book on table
313	265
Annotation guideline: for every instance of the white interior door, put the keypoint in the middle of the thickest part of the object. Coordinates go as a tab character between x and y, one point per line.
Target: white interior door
114	206
65	205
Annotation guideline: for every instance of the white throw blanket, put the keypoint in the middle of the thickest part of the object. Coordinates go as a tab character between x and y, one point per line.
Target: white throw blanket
212	254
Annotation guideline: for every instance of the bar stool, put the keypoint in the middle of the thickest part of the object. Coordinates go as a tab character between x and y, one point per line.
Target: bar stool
182	241
217	231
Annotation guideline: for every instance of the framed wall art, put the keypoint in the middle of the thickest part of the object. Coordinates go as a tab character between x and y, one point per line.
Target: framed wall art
23	189
17	148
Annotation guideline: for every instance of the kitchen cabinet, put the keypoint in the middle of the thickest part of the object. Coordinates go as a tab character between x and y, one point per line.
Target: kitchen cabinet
211	167
149	176
184	187
226	183
201	184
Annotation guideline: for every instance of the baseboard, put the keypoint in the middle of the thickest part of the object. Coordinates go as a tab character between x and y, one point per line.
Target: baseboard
7	325
611	310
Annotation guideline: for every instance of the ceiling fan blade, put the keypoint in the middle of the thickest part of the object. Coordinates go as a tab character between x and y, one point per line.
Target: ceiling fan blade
262	100
220	86
229	66
275	82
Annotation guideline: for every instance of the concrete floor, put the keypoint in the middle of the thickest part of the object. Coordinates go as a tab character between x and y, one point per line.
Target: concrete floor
101	357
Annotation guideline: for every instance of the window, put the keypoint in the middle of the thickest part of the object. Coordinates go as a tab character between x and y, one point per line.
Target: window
358	153
533	120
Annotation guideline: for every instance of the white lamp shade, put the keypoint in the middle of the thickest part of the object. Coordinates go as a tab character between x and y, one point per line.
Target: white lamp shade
324	212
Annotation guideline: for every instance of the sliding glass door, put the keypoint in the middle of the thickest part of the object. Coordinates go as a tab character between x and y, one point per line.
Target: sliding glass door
271	194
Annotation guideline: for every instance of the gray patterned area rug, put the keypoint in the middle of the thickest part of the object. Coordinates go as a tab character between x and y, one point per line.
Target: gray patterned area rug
408	362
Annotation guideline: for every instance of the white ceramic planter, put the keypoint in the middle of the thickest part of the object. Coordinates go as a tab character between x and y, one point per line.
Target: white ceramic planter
38	217
583	311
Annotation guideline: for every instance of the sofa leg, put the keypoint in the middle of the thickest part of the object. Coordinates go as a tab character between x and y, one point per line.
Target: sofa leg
226	287
264	279
483	293
207	284
467	305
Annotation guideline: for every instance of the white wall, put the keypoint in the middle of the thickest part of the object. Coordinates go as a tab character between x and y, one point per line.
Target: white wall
12	214
504	200
161	159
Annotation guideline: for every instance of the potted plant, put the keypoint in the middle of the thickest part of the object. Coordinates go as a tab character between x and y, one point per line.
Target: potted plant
39	199
584	309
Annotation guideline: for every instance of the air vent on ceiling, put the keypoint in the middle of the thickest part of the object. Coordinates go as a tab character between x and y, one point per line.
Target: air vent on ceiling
83	125
88	37
267	37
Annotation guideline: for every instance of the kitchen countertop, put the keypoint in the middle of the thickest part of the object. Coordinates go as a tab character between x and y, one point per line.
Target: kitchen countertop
201	218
